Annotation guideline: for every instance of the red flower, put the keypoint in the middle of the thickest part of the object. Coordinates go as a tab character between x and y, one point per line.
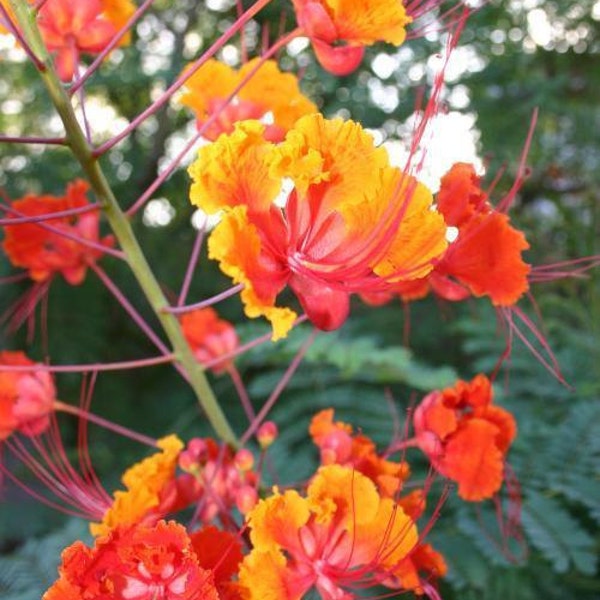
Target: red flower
209	337
70	27
465	437
339	445
351	223
44	252
26	397
135	563
339	30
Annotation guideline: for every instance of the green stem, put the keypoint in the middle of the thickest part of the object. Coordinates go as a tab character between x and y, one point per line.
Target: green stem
121	226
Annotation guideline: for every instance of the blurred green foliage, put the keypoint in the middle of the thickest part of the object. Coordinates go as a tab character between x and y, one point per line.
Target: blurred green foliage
507	65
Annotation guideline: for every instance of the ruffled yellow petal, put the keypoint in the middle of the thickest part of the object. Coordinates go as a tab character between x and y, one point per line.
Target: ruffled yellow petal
420	236
144	482
232	171
276	92
235	243
265	576
364	22
339	152
341	492
214	80
275	521
387	538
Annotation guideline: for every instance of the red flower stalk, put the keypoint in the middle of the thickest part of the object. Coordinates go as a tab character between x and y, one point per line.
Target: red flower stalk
465	436
27	398
44	251
209	337
142	562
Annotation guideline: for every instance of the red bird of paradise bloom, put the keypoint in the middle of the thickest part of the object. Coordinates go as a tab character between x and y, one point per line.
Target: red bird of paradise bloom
72	27
339	445
342	535
209	337
340	29
351	222
139	562
465	436
27	398
485	259
45	252
269	95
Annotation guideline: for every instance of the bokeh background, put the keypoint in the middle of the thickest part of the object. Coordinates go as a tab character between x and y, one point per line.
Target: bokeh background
515	56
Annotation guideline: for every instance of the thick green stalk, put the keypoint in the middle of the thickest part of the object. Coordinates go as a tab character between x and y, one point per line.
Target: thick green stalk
120	224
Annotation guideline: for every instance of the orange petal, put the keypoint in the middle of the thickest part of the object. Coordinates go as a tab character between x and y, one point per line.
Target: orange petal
487	258
236	244
460	196
473	460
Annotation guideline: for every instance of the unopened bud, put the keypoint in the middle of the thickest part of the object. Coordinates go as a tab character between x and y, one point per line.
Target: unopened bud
245	499
267	434
244	460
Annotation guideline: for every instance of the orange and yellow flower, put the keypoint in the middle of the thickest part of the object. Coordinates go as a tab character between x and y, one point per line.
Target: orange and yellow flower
44	252
138	562
340	29
209	337
269	95
465	436
351	222
339	445
145	484
343	534
26	397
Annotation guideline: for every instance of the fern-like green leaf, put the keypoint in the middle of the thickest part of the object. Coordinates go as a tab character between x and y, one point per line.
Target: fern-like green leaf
557	535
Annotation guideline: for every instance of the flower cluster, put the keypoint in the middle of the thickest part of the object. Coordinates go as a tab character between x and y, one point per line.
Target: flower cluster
309	212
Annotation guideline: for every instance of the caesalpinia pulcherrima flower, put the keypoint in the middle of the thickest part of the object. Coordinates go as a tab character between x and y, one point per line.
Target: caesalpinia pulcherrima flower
351	222
341	535
340	30
138	562
339	445
465	436
270	96
209	337
485	259
26	397
70	28
145	484
44	252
